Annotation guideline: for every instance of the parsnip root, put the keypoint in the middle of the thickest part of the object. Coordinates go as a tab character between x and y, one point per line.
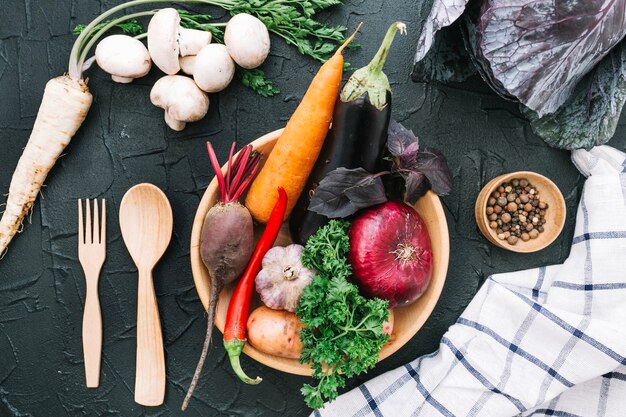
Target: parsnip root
63	109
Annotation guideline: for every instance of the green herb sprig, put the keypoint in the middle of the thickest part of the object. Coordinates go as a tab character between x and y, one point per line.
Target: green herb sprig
344	330
132	27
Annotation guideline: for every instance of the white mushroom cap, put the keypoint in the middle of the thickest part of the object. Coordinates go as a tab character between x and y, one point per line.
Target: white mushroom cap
124	57
247	40
191	41
181	99
163	40
214	68
187	63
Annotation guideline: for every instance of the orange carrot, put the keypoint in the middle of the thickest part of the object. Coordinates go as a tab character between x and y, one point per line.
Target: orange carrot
297	149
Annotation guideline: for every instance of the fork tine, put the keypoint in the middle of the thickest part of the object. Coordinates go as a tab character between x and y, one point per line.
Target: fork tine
81	231
96	223
88	224
103	231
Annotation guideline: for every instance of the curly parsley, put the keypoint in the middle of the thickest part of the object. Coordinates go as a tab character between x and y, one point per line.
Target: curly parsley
344	330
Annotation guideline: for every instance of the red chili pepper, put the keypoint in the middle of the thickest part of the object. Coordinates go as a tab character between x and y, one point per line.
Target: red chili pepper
239	306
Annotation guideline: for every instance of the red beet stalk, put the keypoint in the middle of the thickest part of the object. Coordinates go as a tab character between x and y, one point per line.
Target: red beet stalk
239	306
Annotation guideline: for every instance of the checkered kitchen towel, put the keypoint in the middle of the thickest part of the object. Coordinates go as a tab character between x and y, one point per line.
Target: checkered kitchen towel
548	341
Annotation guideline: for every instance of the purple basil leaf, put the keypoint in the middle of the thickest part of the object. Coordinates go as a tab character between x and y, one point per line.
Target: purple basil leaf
402	142
345	191
537	51
416	186
433	164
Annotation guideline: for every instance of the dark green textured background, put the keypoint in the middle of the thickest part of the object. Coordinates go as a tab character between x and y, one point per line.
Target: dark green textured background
124	141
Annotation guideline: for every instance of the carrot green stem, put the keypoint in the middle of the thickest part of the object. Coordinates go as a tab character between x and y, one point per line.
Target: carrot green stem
234	348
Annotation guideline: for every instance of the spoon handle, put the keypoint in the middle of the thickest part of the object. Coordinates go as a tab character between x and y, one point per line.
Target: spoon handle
150	373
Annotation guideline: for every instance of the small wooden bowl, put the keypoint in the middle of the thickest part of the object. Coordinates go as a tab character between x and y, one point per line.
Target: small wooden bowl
407	320
555	214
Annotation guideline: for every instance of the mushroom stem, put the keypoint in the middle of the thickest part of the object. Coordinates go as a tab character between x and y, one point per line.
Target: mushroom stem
121	80
174	124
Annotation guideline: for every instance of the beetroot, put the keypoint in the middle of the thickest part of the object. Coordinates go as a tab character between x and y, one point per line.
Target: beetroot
390	253
227	237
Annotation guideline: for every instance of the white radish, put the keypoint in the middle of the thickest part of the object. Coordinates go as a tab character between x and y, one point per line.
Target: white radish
63	109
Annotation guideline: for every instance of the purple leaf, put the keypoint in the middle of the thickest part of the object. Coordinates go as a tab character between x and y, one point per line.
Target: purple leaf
442	13
433	164
416	186
537	51
400	138
345	191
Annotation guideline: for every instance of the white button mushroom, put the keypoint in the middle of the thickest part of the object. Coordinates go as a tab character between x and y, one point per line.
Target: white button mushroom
167	40
187	63
181	99
124	57
191	41
247	40
213	69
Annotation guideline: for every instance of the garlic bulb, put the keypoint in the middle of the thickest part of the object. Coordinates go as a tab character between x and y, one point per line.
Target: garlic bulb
283	278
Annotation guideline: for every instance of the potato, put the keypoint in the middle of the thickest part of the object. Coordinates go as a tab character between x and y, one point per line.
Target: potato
275	332
388	325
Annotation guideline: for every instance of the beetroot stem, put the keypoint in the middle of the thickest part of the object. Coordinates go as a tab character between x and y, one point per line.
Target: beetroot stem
239	172
247	181
218	172
230	160
242	167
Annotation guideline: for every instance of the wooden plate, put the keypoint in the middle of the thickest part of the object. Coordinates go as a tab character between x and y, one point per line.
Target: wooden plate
548	192
407	320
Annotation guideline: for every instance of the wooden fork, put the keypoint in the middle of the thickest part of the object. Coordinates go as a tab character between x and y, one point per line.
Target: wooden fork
91	253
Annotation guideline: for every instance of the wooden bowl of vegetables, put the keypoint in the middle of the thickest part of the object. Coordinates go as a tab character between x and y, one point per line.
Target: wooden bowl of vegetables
407	319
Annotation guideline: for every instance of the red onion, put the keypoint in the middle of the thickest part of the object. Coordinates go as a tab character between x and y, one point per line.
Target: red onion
390	253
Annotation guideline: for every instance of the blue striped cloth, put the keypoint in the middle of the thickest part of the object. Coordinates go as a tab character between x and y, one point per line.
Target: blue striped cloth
547	341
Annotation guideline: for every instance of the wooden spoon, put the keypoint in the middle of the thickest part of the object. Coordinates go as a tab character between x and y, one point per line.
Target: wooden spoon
146	224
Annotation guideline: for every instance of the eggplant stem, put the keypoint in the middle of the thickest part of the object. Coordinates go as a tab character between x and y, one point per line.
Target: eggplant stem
378	62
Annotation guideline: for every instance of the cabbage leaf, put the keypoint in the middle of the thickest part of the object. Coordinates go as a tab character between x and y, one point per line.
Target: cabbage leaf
590	116
442	13
537	51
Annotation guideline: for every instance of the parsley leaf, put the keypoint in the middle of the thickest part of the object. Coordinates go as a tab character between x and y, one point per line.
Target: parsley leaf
255	80
132	27
344	330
